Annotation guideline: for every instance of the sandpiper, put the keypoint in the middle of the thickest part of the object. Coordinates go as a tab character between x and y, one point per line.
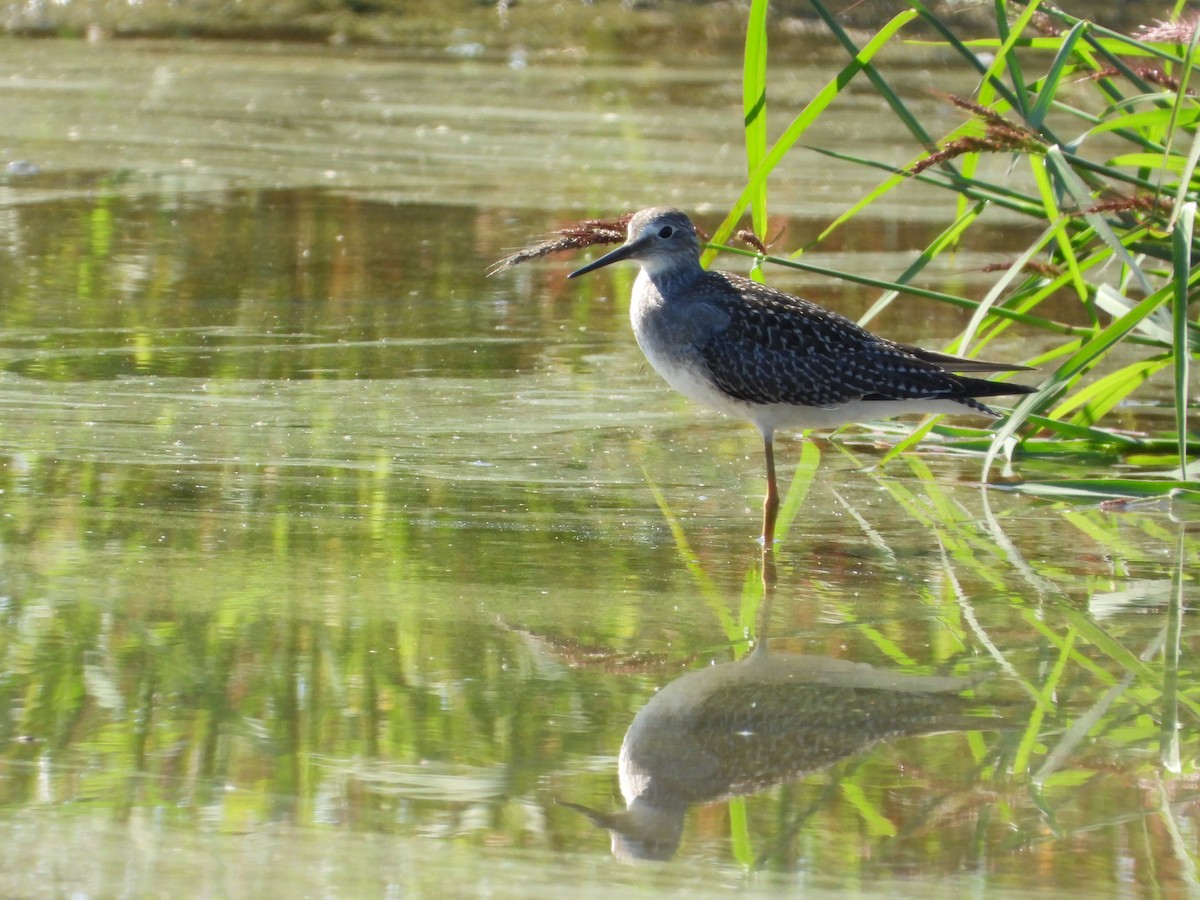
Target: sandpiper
774	359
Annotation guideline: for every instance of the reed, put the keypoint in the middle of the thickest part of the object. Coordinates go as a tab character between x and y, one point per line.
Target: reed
1096	131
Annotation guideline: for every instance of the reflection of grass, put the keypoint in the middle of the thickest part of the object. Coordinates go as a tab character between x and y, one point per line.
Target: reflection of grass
752	593
755	583
802	479
328	659
1142	711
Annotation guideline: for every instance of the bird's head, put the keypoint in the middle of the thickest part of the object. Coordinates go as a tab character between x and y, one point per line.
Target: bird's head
662	240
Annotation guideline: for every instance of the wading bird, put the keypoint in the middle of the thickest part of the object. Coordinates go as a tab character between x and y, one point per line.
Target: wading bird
761	355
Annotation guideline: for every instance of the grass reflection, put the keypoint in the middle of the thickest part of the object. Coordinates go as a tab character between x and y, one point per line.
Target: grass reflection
1095	695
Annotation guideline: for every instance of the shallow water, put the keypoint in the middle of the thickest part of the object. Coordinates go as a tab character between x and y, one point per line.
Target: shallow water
332	567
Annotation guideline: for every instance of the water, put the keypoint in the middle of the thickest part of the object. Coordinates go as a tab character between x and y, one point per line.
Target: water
332	567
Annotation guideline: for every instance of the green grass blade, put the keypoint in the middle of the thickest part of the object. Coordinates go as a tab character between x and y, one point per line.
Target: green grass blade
1083	358
948	238
1093	490
1100	39
874	821
1183	100
1154	161
1147	120
988	304
1170	725
1008	60
1181	242
1054	214
739	830
1075	431
1158	328
754	108
898	106
1097	399
754	592
1048	90
1081	196
992	84
1046	695
802	480
807	116
1090	353
1116	304
913	438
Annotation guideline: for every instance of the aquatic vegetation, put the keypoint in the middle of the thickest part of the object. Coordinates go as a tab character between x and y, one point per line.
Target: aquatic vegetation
1087	134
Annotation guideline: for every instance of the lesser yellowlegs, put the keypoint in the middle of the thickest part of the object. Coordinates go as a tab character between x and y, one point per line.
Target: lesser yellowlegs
774	359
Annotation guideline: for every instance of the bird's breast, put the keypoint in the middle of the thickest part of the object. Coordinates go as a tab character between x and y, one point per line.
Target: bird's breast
672	324
671	335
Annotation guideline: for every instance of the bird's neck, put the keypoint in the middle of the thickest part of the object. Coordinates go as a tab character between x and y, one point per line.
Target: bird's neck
673	281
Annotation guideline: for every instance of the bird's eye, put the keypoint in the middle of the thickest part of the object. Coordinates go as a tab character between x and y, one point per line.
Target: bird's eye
666	231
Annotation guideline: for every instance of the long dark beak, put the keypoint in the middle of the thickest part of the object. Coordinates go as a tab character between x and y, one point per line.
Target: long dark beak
625	251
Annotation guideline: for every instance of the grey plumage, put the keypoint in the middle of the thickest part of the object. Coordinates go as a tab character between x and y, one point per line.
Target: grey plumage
774	359
777	348
760	346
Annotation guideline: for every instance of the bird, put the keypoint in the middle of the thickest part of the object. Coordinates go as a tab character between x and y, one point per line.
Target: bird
739	728
774	359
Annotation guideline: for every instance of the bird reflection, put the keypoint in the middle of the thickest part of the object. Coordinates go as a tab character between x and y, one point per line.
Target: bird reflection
742	727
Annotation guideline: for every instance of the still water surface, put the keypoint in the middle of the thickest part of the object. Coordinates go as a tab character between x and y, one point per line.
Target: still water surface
334	568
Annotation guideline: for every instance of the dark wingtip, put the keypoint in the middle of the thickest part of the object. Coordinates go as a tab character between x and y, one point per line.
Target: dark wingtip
981	387
953	363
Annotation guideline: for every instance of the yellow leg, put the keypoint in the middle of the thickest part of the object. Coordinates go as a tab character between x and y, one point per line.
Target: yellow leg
771	501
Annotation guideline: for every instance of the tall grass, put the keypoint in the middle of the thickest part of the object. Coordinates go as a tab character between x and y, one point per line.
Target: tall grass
1109	181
